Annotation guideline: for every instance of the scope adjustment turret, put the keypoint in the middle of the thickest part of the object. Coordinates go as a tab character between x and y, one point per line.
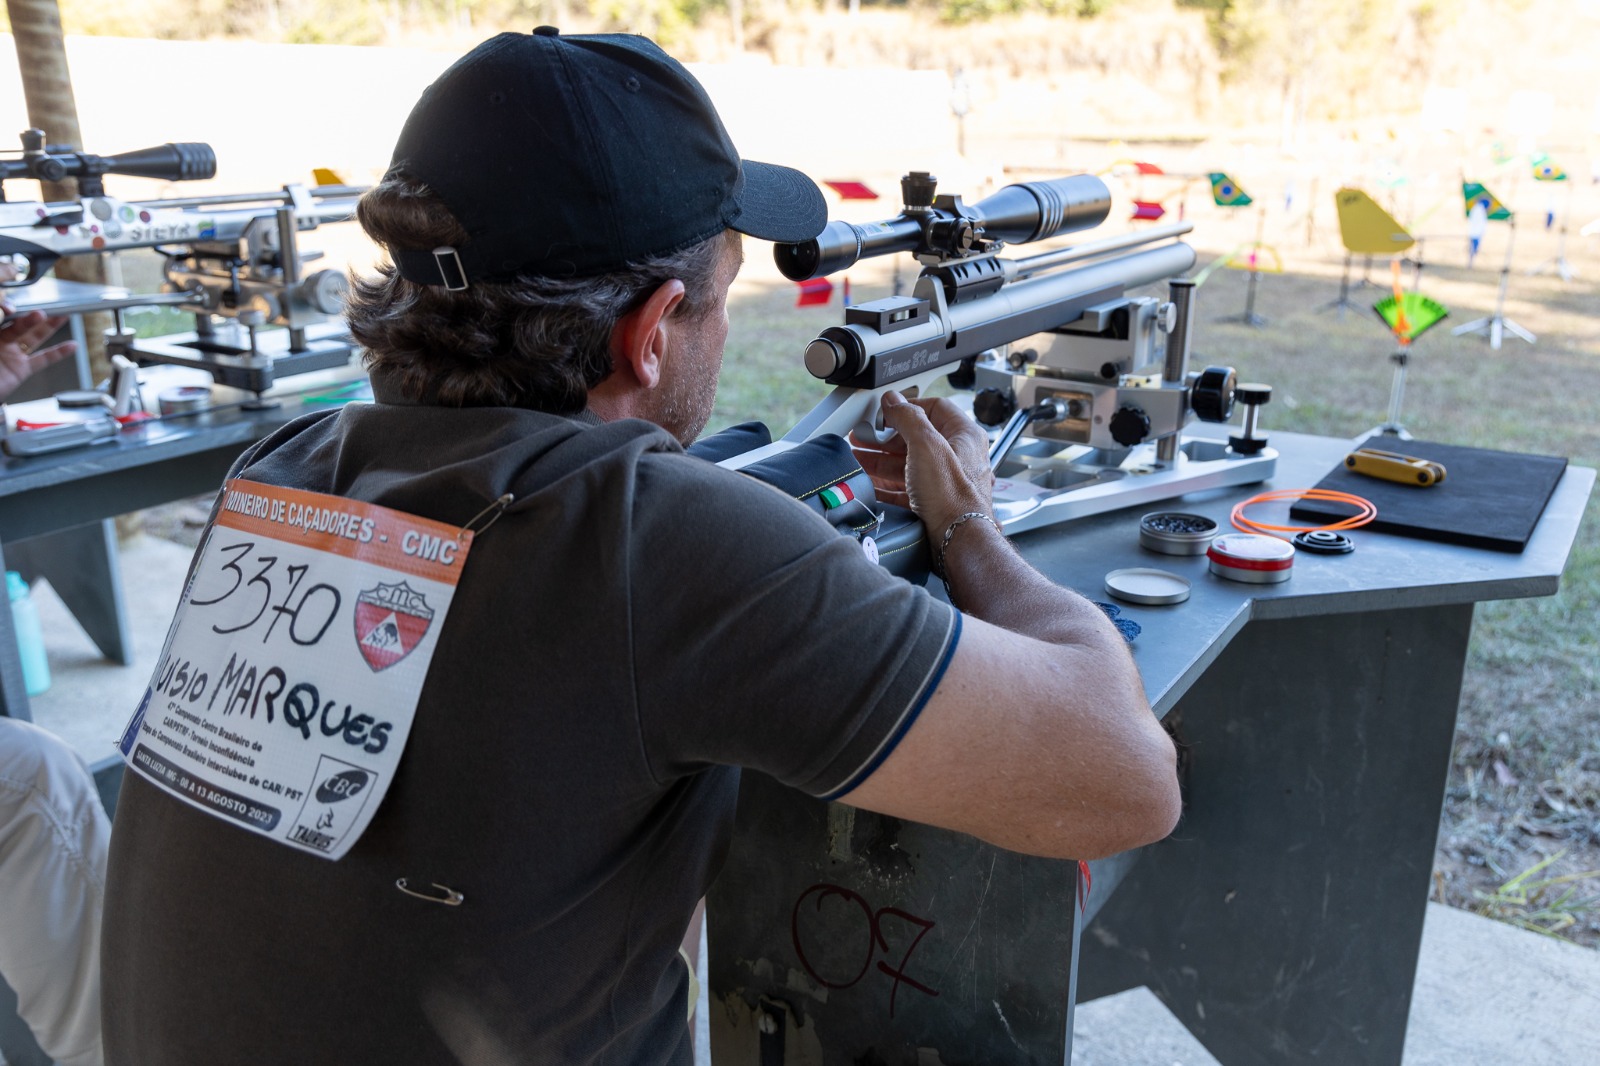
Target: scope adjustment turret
917	189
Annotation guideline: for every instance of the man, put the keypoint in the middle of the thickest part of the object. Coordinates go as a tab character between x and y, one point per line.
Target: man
633	625
53	831
53	840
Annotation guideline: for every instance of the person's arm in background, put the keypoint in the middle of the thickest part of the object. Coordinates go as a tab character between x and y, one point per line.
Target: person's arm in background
53	841
1039	737
20	336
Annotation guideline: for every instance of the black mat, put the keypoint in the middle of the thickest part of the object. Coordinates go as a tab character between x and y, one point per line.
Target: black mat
1488	499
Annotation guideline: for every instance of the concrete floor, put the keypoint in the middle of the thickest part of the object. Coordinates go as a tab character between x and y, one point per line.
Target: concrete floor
1485	992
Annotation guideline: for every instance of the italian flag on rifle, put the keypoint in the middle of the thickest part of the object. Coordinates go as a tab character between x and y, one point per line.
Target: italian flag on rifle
836	496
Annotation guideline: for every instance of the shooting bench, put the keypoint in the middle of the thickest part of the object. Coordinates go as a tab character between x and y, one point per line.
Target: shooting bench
1280	922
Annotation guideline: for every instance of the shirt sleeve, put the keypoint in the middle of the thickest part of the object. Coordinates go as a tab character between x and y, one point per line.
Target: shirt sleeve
764	638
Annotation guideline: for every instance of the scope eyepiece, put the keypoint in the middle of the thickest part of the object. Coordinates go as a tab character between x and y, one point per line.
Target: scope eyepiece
1017	214
841	244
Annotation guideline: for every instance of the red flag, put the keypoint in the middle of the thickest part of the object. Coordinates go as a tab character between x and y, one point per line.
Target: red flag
1147	211
1148	168
814	291
851	190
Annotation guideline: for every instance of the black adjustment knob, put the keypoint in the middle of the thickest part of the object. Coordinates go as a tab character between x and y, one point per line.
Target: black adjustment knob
992	407
1253	393
965	375
1211	397
1129	426
917	188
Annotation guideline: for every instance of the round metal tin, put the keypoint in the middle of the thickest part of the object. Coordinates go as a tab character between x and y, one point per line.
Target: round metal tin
1251	558
1176	532
1140	584
81	398
185	399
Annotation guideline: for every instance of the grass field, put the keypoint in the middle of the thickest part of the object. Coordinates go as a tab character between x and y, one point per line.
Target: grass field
1525	777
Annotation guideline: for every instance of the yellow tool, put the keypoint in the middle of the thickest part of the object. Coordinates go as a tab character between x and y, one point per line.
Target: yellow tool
1392	466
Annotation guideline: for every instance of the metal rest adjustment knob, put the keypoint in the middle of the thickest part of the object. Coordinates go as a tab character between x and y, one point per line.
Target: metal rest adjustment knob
1212	395
1252	393
992	406
1129	426
1253	396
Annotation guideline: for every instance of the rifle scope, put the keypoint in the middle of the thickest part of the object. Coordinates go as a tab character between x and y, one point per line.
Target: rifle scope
1026	211
184	161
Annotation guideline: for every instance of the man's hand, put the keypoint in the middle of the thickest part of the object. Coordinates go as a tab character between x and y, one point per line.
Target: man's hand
19	338
1038	737
937	463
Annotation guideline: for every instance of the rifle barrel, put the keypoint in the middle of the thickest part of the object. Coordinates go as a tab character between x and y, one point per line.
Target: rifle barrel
1106	245
319	191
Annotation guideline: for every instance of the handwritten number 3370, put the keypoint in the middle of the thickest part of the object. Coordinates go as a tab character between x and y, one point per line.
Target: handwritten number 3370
305	618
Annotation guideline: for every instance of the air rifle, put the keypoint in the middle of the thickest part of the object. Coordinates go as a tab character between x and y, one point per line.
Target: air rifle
234	257
1070	377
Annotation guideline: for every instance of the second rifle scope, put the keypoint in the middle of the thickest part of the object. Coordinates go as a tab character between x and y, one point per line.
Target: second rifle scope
187	161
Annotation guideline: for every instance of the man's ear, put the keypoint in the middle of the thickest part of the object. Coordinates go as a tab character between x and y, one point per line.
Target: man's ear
639	339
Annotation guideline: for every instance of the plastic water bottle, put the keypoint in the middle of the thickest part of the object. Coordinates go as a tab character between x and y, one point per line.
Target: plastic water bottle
30	638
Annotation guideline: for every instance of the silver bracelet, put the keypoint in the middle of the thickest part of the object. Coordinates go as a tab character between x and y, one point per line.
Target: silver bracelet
950	531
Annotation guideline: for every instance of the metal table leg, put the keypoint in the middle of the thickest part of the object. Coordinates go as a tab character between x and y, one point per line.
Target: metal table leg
82	567
1281	922
838	935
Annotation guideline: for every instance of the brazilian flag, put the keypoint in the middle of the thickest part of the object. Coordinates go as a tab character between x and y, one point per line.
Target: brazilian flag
1226	192
1546	169
1474	193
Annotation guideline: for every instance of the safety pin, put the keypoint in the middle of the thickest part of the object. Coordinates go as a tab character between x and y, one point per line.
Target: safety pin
451	897
498	507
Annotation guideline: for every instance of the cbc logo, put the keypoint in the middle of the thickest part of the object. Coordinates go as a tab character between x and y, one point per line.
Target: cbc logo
342	786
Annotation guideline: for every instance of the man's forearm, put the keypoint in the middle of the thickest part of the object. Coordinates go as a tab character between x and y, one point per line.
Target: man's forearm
990	580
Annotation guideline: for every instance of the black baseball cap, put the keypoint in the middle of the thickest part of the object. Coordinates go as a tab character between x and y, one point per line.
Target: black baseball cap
567	156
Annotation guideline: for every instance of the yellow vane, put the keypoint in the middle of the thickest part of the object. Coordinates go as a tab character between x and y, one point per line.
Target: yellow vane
1367	229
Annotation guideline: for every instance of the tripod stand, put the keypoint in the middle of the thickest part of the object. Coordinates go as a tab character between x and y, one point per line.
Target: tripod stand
1249	317
1498	325
1559	264
1344	300
1397	394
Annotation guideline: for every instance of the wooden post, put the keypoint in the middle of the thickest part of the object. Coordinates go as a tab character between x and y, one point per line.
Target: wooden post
47	88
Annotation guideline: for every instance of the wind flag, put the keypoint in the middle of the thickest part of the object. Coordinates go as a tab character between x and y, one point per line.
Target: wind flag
1477	224
1226	192
1408	314
1473	192
852	190
1545	169
1365	228
814	291
1411	315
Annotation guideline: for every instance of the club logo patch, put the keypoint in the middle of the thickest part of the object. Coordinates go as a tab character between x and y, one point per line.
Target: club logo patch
390	621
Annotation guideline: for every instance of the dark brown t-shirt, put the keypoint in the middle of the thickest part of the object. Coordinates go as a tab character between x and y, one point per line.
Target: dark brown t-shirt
636	627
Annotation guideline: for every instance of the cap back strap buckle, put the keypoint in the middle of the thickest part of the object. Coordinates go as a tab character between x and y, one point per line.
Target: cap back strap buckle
451	271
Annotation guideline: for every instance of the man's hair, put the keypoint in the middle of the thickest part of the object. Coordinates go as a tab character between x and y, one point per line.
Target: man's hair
537	342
